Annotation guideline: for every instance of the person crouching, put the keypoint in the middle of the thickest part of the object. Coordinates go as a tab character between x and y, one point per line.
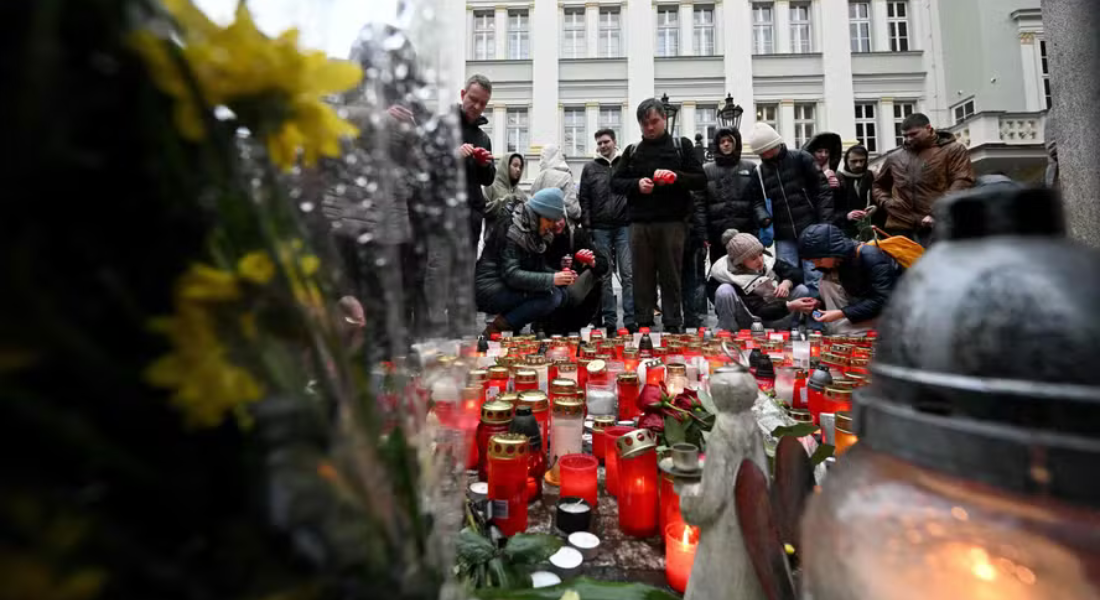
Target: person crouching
512	279
742	286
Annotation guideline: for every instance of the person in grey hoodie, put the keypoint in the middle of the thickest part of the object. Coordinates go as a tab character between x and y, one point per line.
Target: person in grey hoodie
505	193
555	172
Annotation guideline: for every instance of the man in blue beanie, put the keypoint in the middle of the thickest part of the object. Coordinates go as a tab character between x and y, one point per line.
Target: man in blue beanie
512	279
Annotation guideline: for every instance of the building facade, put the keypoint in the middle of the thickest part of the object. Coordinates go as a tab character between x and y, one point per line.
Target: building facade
562	69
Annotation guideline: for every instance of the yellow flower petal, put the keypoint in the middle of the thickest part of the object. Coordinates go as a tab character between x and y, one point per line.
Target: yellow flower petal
190	18
257	267
310	264
205	283
283	147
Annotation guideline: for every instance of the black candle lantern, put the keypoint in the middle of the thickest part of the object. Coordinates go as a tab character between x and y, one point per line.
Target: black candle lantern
671	111
730	115
573	515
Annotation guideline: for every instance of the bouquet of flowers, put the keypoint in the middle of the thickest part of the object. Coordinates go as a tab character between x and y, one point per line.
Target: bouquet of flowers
675	419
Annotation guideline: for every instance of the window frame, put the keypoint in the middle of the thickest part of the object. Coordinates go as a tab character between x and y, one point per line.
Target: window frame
604	123
804	128
571	29
574	121
1044	73
709	127
522	129
486	34
760	47
605	31
899	41
805	46
965	114
761	113
867	125
519	36
900	114
860	42
670	29
704	33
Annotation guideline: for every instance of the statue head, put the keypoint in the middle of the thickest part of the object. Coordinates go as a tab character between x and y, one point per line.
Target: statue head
733	389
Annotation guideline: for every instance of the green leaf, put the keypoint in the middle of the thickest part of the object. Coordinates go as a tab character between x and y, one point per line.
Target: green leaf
675	432
799	430
473	548
707	402
531	548
823	451
587	589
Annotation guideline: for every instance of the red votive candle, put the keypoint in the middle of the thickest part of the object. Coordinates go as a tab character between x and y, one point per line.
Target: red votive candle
540	407
629	387
599	441
496	417
526	379
637	472
578	476
654	372
681	540
610	459
670	502
499	377
508	481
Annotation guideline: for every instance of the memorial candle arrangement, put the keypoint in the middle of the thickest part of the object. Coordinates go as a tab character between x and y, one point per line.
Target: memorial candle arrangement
681	541
578	476
637	472
508	465
565	435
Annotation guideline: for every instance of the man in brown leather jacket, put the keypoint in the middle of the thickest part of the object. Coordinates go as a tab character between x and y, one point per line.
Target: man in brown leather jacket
931	165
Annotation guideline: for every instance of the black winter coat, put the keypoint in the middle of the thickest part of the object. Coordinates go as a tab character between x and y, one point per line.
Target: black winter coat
854	194
504	265
570	318
723	204
866	273
602	208
667	203
476	175
800	194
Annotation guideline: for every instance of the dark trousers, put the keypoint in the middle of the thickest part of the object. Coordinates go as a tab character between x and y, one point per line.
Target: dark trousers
693	274
658	251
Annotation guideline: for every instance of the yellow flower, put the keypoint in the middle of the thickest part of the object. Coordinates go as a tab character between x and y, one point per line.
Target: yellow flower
257	267
310	264
205	283
239	63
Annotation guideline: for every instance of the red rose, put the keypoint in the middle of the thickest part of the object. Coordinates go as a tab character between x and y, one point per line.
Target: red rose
675	414
654	422
650	398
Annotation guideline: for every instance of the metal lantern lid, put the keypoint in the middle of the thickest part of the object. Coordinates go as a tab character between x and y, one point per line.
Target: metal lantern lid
677	369
534	360
495	412
568	406
602	422
567	366
472	393
730	114
820	378
507	446
990	348
636	443
536	399
563	386
527	376
477	376
628	377
509	397
499	372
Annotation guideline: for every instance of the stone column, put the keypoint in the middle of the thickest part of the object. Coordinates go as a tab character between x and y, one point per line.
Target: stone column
500	124
880	33
545	25
686	120
837	58
1033	94
686	28
500	31
783	27
591	29
736	27
1073	52
641	37
786	122
886	140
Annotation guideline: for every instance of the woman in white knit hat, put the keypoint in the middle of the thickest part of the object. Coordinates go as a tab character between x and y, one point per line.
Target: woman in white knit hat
742	286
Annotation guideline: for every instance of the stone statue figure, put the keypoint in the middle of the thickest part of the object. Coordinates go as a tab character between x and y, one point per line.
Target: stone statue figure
723	568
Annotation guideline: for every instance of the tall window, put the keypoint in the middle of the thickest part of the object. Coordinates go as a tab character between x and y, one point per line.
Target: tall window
902	110
573	41
610	34
519	39
484	35
801	29
897	23
703	30
1045	73
859	26
488	127
611	117
668	31
768	114
706	122
805	123
763	28
515	130
575	140
964	111
866	129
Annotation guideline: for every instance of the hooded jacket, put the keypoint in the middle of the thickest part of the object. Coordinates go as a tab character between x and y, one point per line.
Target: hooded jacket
667	203
799	193
508	264
855	194
866	273
602	208
910	183
503	195
826	140
723	204
555	172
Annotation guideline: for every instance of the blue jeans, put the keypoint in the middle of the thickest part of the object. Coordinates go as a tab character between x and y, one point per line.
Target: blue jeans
615	244
787	250
527	307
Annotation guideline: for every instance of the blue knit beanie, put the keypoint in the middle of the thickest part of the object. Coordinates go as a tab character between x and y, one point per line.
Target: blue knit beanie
548	203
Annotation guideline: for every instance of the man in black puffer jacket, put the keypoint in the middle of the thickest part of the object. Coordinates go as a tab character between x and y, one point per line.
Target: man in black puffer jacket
723	204
799	193
858	281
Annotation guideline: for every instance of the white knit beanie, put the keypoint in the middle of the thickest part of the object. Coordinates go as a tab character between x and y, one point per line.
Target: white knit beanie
740	248
764	138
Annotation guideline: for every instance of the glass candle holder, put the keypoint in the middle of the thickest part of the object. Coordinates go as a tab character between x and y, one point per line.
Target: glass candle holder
526	379
600	399
681	541
834	400
540	407
599	445
676	380
637	472
567	370
670	502
578	476
495	419
565	435
844	436
611	456
631	359
469	415
562	388
523	422
654	372
478	377
538	364
508	467
499	380
629	387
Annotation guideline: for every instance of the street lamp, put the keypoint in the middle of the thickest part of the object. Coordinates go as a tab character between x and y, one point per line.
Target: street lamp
671	111
730	115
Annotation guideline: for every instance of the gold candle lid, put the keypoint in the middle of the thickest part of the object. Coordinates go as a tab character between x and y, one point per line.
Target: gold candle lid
568	406
636	443
630	352
509	397
859	362
596	366
527	376
496	412
844	383
477	376
834	359
836	392
602	422
507	446
841	349
535	360
588	352
499	372
860	379
677	369
844	421
801	415
560	387
536	399
661	351
628	377
567	366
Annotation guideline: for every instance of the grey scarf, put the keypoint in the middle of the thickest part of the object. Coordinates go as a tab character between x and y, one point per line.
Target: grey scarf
524	230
